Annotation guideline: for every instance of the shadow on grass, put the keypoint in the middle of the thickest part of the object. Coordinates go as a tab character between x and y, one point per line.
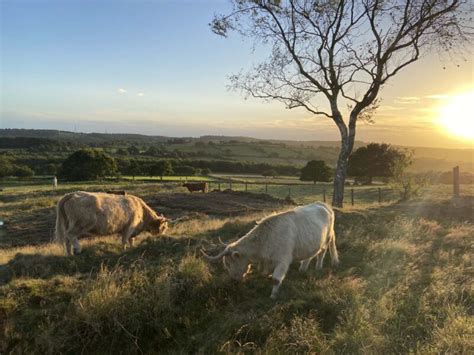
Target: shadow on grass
92	258
154	250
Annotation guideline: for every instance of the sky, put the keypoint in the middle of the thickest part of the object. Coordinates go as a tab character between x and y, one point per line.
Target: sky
155	67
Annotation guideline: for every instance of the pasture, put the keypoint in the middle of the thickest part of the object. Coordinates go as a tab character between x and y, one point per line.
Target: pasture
404	283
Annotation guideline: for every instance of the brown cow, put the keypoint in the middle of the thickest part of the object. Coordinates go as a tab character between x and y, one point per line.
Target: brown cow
196	186
82	213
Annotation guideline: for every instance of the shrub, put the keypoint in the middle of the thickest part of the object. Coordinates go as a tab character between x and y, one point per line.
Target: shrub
88	164
316	170
23	171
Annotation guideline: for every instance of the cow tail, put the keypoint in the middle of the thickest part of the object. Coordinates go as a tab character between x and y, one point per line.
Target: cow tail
332	242
61	220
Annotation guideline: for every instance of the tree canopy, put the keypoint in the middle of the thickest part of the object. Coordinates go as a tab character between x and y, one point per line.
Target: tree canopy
88	164
316	170
6	167
161	168
374	160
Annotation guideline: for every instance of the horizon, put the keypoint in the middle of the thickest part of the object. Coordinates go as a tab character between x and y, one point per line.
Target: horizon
237	137
156	68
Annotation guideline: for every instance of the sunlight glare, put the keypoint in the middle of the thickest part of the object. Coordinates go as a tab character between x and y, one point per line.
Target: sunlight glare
457	116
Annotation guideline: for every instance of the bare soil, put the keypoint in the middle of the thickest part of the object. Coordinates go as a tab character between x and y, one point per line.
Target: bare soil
34	228
226	203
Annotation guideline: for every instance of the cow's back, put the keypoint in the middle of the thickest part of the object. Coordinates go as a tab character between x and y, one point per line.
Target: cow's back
102	213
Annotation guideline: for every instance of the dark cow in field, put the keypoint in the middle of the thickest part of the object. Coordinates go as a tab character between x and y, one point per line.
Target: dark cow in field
196	186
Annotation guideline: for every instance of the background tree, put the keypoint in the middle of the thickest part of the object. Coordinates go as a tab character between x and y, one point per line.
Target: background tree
271	172
406	184
50	169
23	171
88	164
134	168
133	150
373	160
206	171
184	170
339	52
122	151
161	168
6	166
316	170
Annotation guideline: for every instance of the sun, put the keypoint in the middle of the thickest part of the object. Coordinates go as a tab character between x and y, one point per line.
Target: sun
457	116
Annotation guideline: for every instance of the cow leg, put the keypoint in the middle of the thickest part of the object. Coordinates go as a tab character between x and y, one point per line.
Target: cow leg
264	269
278	276
67	245
76	246
73	239
304	264
127	237
320	259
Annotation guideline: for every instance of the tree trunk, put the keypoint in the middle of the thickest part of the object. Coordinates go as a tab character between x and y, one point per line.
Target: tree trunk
341	173
347	143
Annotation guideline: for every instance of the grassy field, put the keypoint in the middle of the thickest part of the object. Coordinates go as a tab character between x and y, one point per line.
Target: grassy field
168	178
404	284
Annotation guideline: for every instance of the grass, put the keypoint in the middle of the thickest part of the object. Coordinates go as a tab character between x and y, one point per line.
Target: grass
168	178
404	286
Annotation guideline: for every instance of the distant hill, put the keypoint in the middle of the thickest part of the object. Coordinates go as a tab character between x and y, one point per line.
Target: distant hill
239	148
85	138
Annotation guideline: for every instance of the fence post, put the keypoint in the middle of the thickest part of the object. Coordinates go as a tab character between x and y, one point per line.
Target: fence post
380	195
219	186
456	181
324	195
352	197
230	185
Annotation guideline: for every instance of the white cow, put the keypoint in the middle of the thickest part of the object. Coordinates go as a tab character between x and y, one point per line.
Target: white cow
276	241
82	213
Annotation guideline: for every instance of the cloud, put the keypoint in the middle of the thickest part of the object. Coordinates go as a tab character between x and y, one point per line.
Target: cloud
121	91
390	108
437	97
407	100
140	94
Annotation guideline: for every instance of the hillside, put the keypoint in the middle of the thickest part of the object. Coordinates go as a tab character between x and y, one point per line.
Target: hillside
240	149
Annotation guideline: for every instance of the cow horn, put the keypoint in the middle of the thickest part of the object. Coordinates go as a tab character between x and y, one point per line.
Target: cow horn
218	257
220	240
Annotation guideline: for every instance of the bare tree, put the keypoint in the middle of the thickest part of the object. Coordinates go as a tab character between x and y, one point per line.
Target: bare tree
332	57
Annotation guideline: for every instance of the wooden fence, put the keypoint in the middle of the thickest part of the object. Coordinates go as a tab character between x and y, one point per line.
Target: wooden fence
373	194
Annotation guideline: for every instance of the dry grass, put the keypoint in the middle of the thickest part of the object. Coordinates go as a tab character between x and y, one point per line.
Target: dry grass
404	286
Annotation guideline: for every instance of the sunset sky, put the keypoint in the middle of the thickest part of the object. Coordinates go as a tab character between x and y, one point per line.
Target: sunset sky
154	67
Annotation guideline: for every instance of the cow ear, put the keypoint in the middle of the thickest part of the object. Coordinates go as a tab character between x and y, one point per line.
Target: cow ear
235	254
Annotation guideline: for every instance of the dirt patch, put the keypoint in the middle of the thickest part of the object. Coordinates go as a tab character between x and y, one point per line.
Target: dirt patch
225	203
30	228
38	227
